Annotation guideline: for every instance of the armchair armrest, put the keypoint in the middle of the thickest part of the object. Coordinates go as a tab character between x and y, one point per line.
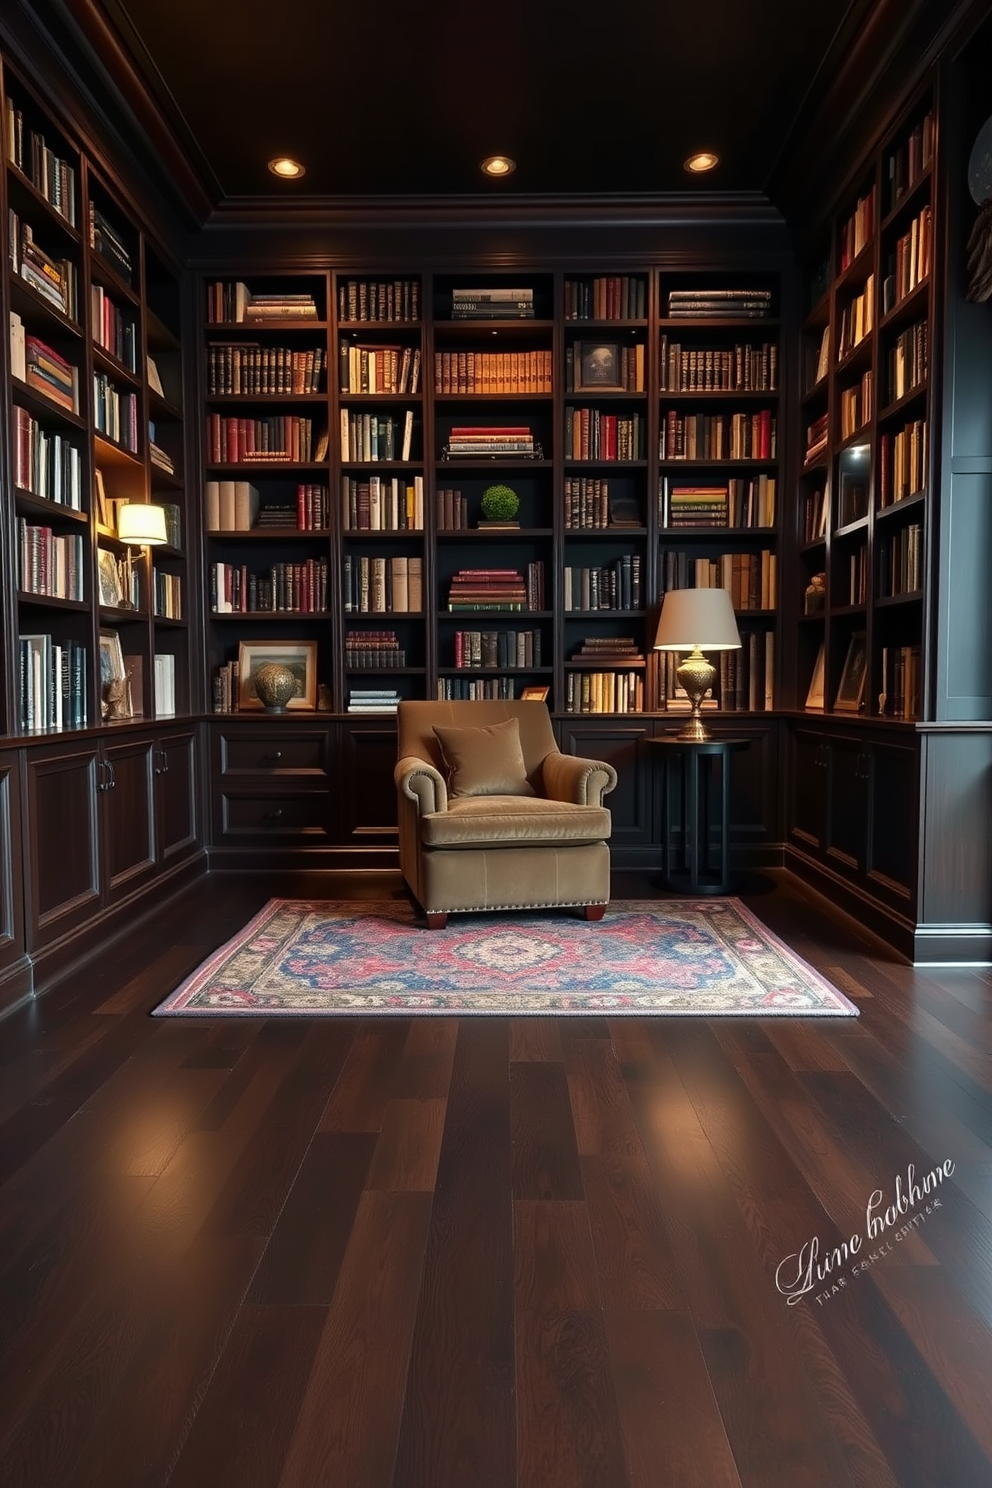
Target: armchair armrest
582	782
422	784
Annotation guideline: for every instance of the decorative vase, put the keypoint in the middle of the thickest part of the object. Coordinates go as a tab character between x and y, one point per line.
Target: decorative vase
275	684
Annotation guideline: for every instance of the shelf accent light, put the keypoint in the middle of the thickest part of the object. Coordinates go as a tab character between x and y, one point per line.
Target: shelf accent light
498	165
697	620
703	160
287	168
139	525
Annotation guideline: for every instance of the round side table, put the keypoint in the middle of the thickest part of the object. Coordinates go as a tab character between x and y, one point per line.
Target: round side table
692	766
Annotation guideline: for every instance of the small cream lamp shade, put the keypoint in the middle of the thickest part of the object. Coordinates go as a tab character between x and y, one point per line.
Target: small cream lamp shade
141	524
697	619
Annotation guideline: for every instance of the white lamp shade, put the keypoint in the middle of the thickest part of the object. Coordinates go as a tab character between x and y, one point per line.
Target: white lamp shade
141	524
697	617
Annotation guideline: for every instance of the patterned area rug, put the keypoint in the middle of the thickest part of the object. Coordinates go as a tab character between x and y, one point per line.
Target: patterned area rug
685	956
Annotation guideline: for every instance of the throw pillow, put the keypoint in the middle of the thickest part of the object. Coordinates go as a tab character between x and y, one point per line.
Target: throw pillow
484	761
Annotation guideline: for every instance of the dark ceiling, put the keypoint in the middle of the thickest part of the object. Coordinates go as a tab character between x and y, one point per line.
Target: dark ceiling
391	97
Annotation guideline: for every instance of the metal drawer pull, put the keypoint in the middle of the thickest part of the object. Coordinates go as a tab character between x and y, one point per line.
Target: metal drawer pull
272	816
272	759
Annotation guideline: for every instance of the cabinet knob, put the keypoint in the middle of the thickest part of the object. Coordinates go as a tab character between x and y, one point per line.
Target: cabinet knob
273	816
273	758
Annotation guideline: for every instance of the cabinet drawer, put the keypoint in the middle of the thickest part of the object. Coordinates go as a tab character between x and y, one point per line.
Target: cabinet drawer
273	753
285	816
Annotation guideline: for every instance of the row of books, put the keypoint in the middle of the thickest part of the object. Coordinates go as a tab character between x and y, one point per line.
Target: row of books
718	436
497	648
48	562
113	329
383	503
106	240
379	586
42	368
164	683
51	174
296	588
378	299
373	700
475	441
739	502
747	676
751	579
226	688
909	265
233	303
901	562
498	588
815	516
606	297
167	595
370	437
115	414
52	683
612	586
855	404
739	369
592	434
450	510
476	689
903	458
610	368
816	437
281	436
54	279
378	369
173	523
372	650
46	463
486	303
902	682
857	319
719	304
908	361
857	575
908	161
604	692
590	505
246	368
492	372
857	231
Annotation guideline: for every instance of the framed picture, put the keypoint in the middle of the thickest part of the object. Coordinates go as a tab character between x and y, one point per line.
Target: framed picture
113	677
299	656
535	694
851	692
597	366
110	578
814	698
103	513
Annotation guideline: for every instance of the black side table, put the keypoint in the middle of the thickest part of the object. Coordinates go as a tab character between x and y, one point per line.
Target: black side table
693	765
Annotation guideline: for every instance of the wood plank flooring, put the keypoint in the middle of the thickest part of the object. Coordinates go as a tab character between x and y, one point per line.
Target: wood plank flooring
494	1253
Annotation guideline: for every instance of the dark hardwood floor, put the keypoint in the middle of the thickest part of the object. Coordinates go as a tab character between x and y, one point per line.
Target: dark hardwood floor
488	1253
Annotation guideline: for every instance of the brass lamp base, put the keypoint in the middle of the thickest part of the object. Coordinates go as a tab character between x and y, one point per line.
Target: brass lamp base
695	676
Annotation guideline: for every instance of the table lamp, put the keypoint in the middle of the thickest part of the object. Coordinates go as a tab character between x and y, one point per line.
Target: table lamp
696	620
139	525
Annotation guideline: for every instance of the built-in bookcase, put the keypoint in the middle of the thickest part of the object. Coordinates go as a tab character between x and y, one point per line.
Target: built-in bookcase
865	413
89	430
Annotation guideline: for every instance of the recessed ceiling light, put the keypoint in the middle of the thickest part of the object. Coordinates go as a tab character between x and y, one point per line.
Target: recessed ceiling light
705	160
287	168
498	165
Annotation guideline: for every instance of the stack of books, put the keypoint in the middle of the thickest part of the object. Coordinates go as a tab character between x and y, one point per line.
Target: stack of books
51	374
370	650
719	304
234	303
488	589
373	700
53	278
159	457
816	438
105	240
621	649
492	304
697	506
482	441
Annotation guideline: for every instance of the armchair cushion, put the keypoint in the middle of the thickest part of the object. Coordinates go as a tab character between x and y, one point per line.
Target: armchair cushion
484	761
508	821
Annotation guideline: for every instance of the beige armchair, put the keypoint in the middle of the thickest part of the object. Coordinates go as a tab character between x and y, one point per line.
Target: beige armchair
493	816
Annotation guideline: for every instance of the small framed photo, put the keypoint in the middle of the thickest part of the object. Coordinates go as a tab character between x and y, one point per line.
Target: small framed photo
597	366
113	677
534	694
851	692
110	579
814	698
104	515
299	656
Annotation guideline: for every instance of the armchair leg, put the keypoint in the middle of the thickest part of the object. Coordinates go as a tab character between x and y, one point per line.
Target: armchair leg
436	921
594	911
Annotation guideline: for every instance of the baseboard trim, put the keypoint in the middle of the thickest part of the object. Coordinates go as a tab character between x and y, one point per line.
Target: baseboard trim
953	945
16	985
303	860
895	929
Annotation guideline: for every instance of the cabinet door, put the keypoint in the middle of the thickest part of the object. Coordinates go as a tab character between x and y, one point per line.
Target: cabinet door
176	816
11	902
893	822
367	803
62	852
620	744
128	817
847	829
808	772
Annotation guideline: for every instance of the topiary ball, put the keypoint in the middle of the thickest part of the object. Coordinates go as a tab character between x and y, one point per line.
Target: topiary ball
500	503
